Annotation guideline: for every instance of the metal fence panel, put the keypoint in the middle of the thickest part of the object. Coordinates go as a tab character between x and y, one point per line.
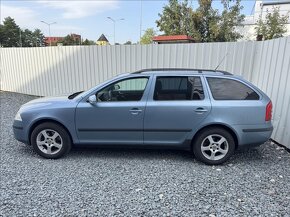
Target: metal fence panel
62	70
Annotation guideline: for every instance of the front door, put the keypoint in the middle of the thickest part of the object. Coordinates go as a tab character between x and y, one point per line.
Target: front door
117	116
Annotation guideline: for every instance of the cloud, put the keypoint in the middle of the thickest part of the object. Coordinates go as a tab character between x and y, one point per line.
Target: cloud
23	16
80	9
27	18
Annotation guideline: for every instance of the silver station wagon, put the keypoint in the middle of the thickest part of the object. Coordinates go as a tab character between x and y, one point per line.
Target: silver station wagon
208	112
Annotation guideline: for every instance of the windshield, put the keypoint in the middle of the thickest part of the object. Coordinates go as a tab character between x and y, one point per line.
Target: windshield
74	95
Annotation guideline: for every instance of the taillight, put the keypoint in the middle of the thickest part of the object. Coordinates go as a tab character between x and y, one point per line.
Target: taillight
268	115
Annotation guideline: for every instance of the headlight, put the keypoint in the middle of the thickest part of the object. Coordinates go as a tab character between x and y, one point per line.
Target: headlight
18	117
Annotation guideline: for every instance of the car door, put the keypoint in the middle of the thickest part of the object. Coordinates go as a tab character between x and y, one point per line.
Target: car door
175	108
117	115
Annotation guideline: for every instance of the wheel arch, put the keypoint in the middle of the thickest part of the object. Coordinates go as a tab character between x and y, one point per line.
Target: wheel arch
219	125
47	120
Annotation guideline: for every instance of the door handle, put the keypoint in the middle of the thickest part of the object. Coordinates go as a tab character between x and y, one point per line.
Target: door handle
135	111
200	110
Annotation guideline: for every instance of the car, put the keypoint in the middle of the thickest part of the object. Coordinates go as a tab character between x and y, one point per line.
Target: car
208	112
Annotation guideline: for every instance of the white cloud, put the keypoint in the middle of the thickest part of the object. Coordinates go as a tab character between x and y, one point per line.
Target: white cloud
27	18
23	16
80	9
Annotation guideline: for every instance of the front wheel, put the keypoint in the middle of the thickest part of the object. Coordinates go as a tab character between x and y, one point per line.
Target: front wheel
50	140
213	146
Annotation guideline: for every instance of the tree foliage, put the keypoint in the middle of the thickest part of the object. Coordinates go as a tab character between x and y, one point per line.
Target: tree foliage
10	33
12	36
128	43
148	36
69	40
88	42
274	25
205	23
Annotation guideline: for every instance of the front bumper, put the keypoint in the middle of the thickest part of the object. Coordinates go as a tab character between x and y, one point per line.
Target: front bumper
19	132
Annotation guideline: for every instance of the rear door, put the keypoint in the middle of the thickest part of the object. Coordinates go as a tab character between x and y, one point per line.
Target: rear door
176	106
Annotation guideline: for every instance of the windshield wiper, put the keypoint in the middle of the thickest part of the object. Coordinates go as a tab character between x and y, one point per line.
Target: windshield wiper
74	95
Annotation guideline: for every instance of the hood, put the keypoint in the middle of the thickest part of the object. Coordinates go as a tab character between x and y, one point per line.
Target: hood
44	102
47	100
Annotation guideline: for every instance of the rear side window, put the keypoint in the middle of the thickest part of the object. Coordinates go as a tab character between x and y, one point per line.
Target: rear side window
228	89
178	88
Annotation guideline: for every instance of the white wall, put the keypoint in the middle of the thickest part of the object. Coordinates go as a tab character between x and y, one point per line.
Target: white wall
62	70
261	8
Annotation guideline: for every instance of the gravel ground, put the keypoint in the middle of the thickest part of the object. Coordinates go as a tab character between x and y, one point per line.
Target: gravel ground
106	182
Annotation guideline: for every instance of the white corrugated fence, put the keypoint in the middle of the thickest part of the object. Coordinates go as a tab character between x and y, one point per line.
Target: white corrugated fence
65	69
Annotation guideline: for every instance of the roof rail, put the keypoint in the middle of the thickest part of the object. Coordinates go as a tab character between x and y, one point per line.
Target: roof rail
181	69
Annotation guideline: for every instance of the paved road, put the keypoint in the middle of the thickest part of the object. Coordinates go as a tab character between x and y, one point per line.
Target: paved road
106	182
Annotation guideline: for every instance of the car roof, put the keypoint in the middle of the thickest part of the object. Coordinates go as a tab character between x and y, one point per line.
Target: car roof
181	70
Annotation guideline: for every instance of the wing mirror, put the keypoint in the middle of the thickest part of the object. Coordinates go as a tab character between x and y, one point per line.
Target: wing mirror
92	99
117	87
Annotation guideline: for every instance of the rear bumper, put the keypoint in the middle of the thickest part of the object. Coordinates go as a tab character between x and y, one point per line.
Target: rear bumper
254	135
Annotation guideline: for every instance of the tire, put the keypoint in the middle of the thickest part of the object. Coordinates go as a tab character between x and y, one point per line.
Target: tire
50	140
213	146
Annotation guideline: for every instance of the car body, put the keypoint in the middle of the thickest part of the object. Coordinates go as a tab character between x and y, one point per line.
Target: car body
155	108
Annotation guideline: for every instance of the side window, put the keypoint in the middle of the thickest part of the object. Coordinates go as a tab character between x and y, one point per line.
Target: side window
228	89
178	88
126	90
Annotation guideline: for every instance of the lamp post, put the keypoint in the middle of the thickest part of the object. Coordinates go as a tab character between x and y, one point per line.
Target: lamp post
48	24
114	21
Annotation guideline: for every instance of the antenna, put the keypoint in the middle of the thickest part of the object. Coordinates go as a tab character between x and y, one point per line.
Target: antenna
221	61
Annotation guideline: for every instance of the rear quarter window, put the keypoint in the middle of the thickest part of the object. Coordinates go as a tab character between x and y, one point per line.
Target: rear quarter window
228	89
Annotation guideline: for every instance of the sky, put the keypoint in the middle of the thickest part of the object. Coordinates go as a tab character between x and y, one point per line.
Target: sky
89	17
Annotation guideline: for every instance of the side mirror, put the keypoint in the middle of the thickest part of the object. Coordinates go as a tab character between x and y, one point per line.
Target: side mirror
92	99
117	87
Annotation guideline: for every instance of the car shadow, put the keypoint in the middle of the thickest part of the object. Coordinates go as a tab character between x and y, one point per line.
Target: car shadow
240	156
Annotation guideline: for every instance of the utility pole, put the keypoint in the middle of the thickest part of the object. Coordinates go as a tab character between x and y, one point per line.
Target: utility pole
49	24
141	10
114	22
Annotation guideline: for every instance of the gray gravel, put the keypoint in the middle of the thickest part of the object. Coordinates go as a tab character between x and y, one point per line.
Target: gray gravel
110	182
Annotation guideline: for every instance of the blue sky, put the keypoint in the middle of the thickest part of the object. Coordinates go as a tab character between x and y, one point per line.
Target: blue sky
89	18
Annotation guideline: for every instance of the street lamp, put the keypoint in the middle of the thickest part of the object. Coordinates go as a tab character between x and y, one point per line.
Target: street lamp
48	24
114	21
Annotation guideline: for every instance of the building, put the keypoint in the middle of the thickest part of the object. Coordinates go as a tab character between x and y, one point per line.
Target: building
172	39
55	40
77	38
103	40
52	40
260	10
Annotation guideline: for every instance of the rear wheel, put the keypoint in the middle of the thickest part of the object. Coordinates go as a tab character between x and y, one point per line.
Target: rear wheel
213	146
50	140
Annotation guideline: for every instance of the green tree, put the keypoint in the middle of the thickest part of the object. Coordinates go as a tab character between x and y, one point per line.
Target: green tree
68	40
128	43
175	18
148	36
274	25
38	38
10	33
27	38
88	42
231	18
204	24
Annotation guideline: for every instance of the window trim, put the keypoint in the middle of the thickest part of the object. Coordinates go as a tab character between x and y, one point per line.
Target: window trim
235	79
123	79
174	76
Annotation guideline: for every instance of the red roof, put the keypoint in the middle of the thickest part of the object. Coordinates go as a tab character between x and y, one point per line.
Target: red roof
172	38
